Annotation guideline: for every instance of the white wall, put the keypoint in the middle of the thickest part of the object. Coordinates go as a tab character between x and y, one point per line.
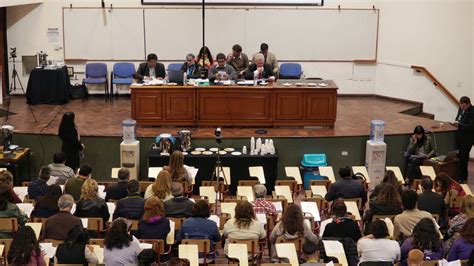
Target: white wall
435	34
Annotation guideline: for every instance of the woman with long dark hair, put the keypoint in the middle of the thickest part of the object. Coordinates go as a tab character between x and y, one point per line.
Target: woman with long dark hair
378	247
24	249
119	247
47	205
426	238
420	147
388	202
176	168
76	250
204	57
70	137
449	189
388	179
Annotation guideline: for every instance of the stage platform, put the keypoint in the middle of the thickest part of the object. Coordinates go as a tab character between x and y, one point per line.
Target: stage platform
97	118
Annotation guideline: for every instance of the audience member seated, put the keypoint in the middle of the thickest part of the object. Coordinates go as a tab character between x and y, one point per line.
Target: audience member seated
425	237
60	225
119	190
449	189
221	71
154	224
47	205
198	226
161	188
59	168
260	205
432	202
39	187
243	226
347	187
119	247
75	250
341	225
150	69
7	178
25	249
388	202
74	184
8	209
420	147
415	257
310	253
389	178
176	168
191	68
204	57
291	226
377	247
90	204
130	207
178	206
404	223
238	60
259	69
464	245
467	212
270	58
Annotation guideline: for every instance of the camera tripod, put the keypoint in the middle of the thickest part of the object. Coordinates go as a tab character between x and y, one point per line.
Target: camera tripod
217	174
13	87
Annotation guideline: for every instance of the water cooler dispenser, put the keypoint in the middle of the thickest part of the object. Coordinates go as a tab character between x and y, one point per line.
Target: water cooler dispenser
376	153
130	149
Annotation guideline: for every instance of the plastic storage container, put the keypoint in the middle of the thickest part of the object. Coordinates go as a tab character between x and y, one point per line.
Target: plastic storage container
309	166
377	129
129	128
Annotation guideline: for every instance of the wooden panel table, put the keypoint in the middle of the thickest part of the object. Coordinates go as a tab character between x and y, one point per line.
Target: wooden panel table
271	105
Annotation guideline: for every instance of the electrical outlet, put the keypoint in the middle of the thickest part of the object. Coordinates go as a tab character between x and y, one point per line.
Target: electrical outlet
344	153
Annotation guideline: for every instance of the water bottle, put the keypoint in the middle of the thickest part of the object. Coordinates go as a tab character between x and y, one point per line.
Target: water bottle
185	78
244	150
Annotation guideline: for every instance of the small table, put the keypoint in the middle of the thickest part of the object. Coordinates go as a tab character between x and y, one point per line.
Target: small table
450	167
238	167
12	162
48	86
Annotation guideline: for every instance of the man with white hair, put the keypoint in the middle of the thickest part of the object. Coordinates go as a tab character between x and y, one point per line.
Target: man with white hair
260	205
190	67
270	58
62	223
259	69
178	206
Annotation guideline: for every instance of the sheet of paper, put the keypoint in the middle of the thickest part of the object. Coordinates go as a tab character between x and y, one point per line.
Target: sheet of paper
73	209
287	250
262	218
111	207
353	209
397	172
26	208
2	247
99	252
327	171
36	227
21	192
190	253
114	173
362	170
146	246
312	208
335	249
323	226
278	206
101	191
215	219
247	192
389	224
428	171
284	191
62	188
258	172
192	171
154	171
226	173
48	249
85	222
239	251
294	171
208	191
170	236
52	180
229	208
466	189
319	191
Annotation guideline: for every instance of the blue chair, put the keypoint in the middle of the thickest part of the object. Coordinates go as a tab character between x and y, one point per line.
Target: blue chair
175	67
122	74
290	71
96	73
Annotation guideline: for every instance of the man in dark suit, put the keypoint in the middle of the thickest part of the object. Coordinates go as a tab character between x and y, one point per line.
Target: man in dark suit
432	202
150	69
132	206
178	206
259	69
119	190
464	135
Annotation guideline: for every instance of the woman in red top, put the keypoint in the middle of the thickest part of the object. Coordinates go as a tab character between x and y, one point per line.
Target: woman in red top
450	189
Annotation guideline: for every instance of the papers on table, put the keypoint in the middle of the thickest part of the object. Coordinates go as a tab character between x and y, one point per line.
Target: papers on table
215	219
154	171
247	192
319	191
26	208
146	246
327	171
209	193
353	209
258	172
154	81
428	171
284	191
170	236
85	222
48	249
229	208
262	218
238	251
52	180
311	208
322	227
397	172
294	171
192	171
102	191
362	170
278	206
99	252
111	207
114	173
335	249
21	192
36	227
287	250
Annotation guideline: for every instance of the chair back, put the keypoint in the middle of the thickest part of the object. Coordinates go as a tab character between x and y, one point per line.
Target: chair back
144	185
6	247
189	253
326	183
124	70
96	70
239	252
204	245
174	67
298	242
9	224
177	222
95	224
290	71
249	183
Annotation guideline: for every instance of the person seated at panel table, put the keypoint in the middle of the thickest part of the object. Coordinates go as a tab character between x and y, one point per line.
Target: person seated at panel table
222	71
150	69
191	68
204	57
259	69
270	58
238	60
420	147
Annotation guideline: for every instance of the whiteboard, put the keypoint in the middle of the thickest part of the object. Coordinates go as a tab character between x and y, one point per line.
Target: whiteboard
100	34
292	34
